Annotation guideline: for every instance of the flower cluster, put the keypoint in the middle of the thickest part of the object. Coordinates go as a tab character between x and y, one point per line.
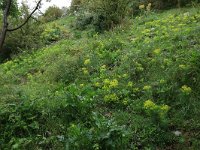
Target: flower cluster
87	62
139	67
157	51
85	71
108	84
130	84
186	89
147	87
103	68
183	67
111	98
151	107
149	104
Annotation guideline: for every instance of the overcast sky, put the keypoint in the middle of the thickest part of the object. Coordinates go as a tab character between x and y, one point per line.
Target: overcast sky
59	3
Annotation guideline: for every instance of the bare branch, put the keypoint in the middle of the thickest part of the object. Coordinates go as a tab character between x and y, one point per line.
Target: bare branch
27	19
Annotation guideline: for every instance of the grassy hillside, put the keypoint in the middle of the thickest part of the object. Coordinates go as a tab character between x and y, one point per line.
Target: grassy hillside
136	87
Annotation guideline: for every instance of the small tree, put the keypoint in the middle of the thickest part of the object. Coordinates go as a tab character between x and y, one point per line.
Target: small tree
52	13
75	4
103	14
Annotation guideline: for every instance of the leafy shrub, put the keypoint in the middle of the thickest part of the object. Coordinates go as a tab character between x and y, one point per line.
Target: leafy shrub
83	20
52	13
110	13
23	39
104	134
53	33
157	112
103	14
76	4
66	70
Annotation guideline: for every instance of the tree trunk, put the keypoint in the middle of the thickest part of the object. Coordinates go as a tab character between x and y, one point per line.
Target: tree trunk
179	3
3	36
5	24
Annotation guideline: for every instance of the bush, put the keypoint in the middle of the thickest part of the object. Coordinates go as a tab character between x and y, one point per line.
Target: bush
103	14
75	5
111	12
24	39
53	33
52	13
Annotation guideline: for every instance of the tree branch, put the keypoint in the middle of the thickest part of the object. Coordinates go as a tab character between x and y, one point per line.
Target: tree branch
35	19
27	19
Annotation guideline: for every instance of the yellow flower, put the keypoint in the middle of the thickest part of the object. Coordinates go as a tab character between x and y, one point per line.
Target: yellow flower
85	71
136	90
73	125
87	62
125	101
97	84
106	81
167	61
147	87
81	85
114	83
183	67
165	108
162	81
185	89
103	68
125	75
111	98
157	51
140	69
149	104
130	84
141	6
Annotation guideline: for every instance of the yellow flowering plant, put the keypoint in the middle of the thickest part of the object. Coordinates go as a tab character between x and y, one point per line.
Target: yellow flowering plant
111	98
113	83
85	71
130	84
157	112
87	62
157	51
147	87
186	89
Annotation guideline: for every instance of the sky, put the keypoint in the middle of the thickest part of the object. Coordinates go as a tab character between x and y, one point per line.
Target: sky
59	3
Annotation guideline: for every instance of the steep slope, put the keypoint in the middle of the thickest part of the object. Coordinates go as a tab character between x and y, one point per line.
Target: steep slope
135	87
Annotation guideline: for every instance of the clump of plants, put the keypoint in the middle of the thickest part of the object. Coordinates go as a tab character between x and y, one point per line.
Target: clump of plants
103	14
52	13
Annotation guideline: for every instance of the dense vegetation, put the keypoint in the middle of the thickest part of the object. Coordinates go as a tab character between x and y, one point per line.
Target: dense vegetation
136	86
